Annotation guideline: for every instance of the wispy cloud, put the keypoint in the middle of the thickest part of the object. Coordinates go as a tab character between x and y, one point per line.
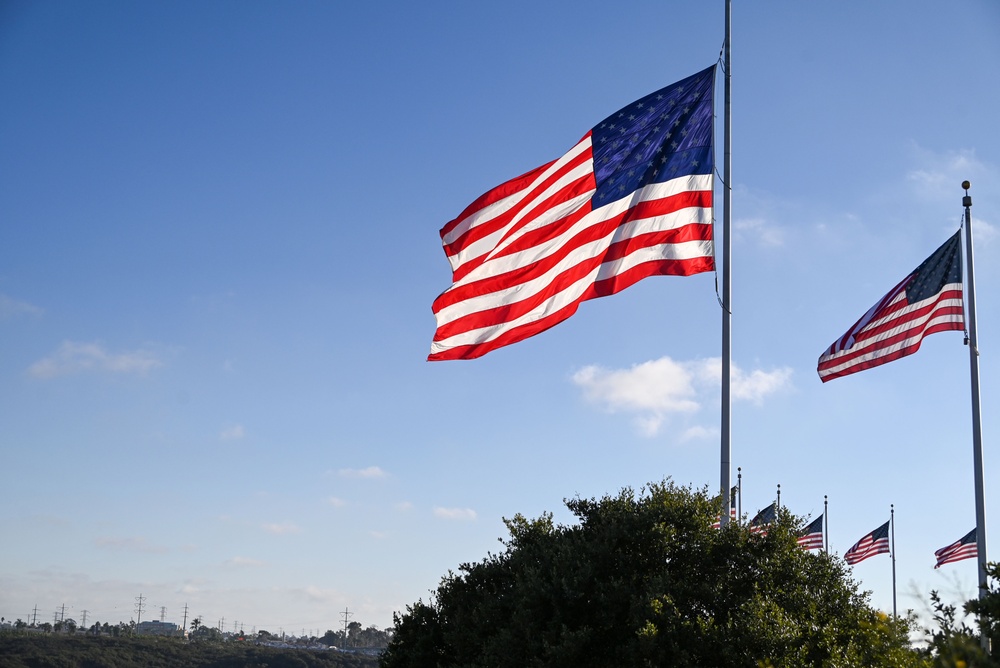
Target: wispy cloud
466	514
232	433
72	357
372	472
244	562
11	308
760	231
281	529
653	391
134	544
336	502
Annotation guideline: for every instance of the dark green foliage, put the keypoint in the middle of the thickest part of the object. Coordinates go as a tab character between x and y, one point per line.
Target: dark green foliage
39	650
643	580
957	645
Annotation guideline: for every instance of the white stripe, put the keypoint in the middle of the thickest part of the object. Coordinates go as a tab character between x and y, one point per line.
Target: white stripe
649	193
500	207
587	251
888	350
571	294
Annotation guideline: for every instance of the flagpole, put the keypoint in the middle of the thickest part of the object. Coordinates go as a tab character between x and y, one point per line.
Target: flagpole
727	196
826	529
739	492
777	506
977	421
892	530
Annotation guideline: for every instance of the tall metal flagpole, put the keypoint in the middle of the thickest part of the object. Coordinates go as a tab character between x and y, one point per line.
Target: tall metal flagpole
727	197
977	421
892	531
826	521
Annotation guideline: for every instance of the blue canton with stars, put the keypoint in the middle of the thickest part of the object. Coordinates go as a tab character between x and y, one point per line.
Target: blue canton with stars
657	138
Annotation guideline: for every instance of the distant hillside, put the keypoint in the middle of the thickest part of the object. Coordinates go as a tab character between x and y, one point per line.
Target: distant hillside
61	651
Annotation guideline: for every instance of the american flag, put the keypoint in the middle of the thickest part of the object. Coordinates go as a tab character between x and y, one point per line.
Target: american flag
929	300
965	548
764	517
877	542
732	507
811	538
632	199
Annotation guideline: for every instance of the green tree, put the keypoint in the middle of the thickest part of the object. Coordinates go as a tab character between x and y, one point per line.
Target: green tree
954	644
644	580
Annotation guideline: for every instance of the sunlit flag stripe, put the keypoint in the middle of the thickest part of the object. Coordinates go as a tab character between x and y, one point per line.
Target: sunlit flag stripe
899	334
965	548
632	199
877	542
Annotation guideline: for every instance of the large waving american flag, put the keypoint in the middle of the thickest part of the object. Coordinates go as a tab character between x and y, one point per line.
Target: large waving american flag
929	300
632	199
811	537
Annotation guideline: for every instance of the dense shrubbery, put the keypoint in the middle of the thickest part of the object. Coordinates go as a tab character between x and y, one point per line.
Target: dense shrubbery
644	580
41	650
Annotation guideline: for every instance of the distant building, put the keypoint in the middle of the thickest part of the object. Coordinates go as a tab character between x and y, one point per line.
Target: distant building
156	628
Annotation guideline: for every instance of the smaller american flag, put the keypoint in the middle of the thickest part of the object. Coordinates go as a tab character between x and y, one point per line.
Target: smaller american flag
965	548
877	542
732	508
760	521
929	300
811	538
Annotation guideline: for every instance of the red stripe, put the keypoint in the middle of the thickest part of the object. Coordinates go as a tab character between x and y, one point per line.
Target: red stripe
599	230
571	275
527	330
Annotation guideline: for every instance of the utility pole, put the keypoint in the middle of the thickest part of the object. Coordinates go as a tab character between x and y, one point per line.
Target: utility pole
347	615
34	615
139	607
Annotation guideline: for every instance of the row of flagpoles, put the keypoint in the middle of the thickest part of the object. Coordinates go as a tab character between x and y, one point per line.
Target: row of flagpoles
815	535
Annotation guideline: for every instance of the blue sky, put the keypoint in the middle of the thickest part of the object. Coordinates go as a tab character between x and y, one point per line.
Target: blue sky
219	246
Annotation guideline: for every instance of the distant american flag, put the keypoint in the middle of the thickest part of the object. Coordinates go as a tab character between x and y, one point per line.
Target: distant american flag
929	300
760	521
811	537
877	542
965	548
632	199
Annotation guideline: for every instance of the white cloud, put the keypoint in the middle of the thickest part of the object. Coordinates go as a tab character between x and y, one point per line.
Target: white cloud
10	308
653	391
322	595
455	513
72	357
134	544
699	433
242	562
760	231
281	529
372	472
336	502
404	506
232	433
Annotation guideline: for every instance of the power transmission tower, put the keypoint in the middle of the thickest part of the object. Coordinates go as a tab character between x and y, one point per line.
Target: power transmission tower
62	614
163	613
84	622
34	616
139	607
185	625
347	615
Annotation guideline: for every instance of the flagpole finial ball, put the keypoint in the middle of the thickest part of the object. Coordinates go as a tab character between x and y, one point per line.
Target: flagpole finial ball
966	185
